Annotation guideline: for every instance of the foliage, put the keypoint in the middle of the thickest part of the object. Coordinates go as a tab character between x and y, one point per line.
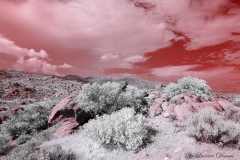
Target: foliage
209	127
109	97
59	154
232	113
122	128
30	150
189	85
4	145
23	139
237	101
133	97
27	151
27	121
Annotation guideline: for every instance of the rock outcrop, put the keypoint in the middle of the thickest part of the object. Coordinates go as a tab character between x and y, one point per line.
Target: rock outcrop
68	111
185	104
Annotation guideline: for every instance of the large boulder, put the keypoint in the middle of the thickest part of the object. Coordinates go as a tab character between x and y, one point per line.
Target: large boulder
68	109
182	111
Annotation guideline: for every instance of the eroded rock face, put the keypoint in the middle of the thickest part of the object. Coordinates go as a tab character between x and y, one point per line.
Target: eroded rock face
68	111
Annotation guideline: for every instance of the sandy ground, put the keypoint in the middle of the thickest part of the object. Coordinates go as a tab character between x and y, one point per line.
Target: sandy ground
170	141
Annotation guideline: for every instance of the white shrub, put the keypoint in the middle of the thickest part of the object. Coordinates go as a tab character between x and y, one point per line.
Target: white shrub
122	128
189	85
109	97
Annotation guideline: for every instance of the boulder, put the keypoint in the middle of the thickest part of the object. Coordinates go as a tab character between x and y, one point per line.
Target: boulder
182	111
65	109
67	128
200	106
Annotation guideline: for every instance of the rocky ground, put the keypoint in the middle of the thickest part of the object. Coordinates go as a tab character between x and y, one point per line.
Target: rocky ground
18	89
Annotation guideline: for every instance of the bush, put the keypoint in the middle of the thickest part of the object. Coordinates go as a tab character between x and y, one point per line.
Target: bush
133	97
30	150
109	97
236	102
27	151
122	128
4	145
189	85
27	121
23	139
59	154
232	113
209	127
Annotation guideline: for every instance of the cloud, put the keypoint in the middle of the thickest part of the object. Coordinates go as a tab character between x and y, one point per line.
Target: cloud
169	71
102	30
65	65
41	54
93	35
24	59
204	22
36	65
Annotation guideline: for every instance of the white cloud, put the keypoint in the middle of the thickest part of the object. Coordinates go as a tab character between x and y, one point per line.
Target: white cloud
36	65
65	65
28	60
41	54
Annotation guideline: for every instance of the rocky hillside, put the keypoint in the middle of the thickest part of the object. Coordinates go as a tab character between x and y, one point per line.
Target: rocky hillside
30	98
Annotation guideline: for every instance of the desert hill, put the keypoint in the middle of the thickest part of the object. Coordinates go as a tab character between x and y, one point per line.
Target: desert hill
23	95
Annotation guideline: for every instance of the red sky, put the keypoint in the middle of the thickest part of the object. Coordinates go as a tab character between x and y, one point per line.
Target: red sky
159	40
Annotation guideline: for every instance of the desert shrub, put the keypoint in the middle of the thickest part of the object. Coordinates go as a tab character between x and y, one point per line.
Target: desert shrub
27	121
4	145
47	134
99	99
27	151
133	97
23	139
207	126
59	154
30	150
232	113
122	128
236	101
189	85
